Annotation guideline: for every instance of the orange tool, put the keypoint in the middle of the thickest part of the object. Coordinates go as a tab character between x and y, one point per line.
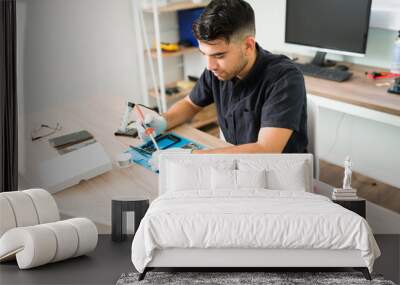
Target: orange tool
148	130
379	75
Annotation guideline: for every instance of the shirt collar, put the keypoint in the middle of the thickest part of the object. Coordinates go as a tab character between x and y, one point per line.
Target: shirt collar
254	71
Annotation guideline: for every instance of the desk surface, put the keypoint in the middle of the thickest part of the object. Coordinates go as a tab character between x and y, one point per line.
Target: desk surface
358	90
101	117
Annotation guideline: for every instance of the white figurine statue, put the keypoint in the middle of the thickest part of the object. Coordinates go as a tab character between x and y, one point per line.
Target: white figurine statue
347	173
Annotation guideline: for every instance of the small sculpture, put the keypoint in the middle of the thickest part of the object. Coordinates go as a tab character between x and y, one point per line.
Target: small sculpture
346	192
347	173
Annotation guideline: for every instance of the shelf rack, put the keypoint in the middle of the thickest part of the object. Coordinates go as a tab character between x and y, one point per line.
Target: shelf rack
173	7
182	50
207	115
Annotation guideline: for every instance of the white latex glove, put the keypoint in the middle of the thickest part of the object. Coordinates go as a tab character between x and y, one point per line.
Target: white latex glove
157	122
154	161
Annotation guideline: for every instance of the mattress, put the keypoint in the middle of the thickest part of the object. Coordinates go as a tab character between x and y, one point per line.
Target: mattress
251	219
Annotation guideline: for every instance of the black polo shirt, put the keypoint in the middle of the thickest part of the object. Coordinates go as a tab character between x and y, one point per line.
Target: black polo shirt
272	94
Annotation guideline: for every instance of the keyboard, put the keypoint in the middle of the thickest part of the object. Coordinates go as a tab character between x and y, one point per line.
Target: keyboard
323	72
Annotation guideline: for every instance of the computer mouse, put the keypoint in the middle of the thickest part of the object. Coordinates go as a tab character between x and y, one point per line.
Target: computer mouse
342	67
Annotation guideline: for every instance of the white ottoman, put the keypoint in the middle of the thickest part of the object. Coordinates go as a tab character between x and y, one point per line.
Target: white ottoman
31	232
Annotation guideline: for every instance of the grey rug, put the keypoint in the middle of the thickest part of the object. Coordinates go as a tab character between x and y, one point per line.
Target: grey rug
269	278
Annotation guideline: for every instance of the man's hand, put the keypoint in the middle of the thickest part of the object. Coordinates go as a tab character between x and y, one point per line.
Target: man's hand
181	112
155	158
157	122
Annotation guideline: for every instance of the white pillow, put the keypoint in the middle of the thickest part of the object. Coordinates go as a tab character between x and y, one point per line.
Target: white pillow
293	179
182	177
189	175
223	179
226	179
251	178
281	174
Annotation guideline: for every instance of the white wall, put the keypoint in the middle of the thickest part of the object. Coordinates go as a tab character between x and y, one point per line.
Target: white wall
69	49
372	145
75	48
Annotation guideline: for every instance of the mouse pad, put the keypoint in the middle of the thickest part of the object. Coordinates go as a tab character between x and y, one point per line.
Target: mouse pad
142	153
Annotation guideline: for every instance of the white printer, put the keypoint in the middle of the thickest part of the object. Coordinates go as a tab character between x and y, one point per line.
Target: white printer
66	170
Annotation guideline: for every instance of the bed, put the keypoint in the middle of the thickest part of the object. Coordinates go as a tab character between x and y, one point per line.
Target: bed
247	211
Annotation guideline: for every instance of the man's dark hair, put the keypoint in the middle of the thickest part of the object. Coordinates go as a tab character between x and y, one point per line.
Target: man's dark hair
225	19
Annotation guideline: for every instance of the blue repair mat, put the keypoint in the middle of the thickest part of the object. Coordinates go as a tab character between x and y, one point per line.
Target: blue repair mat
142	153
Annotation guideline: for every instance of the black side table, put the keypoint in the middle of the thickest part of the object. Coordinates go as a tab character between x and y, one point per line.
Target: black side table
356	205
119	207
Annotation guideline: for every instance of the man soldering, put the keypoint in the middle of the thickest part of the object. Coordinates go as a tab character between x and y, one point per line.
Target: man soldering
260	97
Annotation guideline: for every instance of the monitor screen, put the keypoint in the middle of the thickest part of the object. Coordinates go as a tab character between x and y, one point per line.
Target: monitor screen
339	25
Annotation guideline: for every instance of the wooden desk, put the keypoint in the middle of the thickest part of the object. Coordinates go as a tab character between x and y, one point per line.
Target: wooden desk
359	97
101	117
359	90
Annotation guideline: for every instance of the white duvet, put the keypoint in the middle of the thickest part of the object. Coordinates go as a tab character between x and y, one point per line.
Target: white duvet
250	219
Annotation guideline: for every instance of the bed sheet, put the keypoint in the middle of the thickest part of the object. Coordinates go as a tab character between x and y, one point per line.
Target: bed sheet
252	218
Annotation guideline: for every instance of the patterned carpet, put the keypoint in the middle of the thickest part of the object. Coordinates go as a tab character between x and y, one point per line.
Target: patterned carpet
243	278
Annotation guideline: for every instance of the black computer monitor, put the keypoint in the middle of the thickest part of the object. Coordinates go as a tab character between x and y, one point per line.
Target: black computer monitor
334	26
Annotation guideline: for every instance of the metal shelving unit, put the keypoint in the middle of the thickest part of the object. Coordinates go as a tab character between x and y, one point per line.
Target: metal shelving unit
174	7
171	98
157	53
182	50
158	91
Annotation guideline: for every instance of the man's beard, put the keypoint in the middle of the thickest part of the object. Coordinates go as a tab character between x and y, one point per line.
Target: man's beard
237	70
